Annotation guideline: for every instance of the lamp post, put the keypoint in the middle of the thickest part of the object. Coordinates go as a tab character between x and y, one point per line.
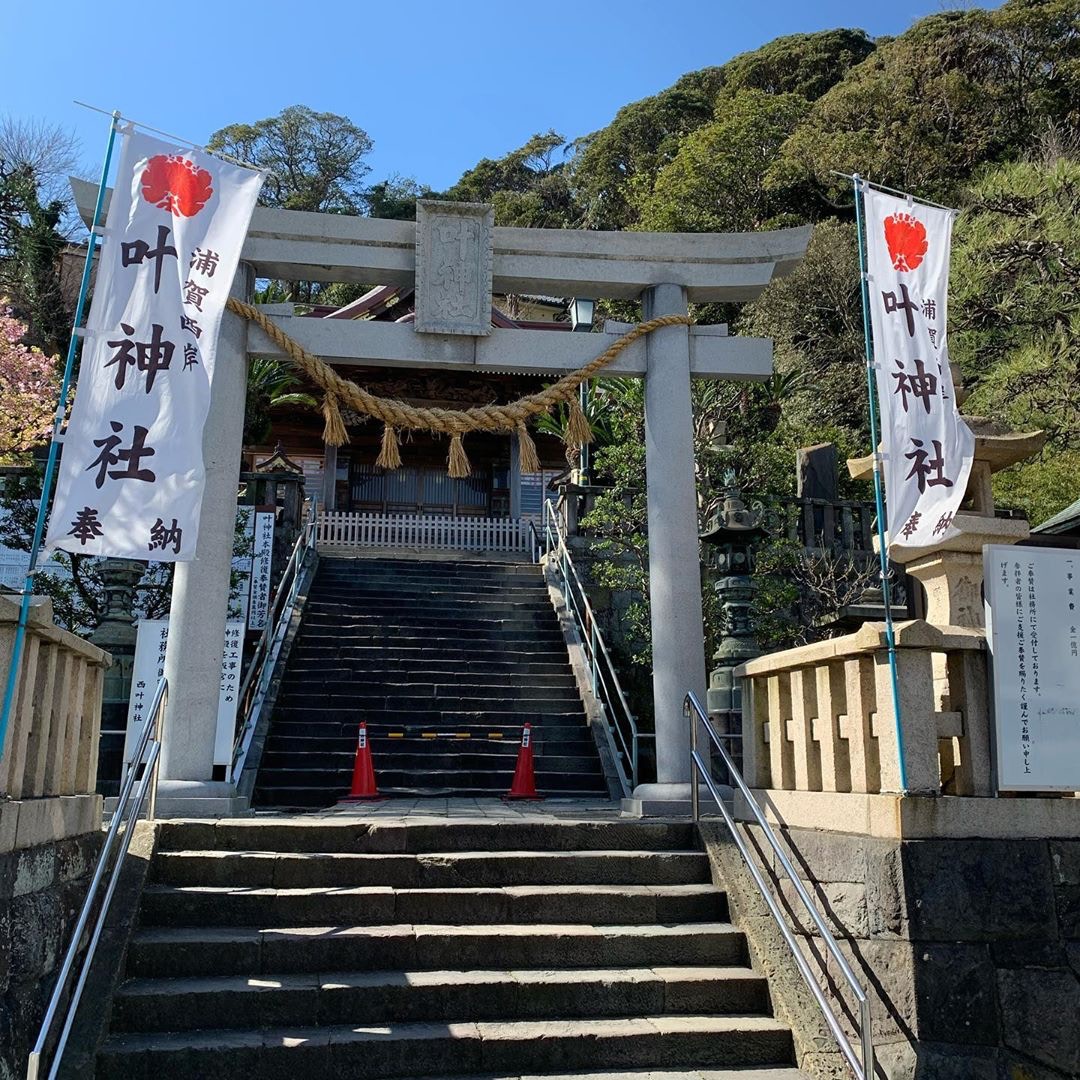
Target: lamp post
582	312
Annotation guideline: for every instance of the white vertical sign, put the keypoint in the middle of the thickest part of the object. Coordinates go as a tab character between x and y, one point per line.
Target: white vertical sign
1033	631
928	448
131	475
258	608
149	666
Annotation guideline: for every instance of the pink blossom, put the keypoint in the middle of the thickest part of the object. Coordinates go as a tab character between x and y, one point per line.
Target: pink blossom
29	384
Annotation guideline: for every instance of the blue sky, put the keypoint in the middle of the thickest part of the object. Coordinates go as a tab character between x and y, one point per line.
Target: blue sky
435	91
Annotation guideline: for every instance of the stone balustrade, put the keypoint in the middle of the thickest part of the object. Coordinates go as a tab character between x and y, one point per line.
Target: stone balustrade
52	738
820	718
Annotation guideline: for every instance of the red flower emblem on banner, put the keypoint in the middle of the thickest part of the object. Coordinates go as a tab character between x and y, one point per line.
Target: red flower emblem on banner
176	184
906	238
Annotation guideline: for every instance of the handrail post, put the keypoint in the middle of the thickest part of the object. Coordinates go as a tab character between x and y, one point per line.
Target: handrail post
592	653
695	783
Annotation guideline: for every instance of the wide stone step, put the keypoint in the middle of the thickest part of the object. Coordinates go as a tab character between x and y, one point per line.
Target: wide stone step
406	836
430	673
361	704
321	798
379	997
420	743
301	663
510	634
430	755
529	652
208	905
250	951
441	594
507	720
389	686
490	781
436	870
412	1050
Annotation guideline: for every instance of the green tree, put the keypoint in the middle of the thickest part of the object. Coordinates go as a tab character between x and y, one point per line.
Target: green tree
1015	318
35	160
528	187
315	160
715	182
641	138
927	109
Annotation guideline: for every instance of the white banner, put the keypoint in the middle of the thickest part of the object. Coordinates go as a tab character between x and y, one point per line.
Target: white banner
928	449
131	475
1033	631
148	667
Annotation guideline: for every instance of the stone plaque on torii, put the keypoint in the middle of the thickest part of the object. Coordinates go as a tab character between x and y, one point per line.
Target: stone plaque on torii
455	258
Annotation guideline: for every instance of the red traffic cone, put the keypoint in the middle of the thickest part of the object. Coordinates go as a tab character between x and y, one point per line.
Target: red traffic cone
363	777
524	784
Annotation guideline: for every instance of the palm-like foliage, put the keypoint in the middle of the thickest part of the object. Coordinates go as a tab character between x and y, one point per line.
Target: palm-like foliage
271	385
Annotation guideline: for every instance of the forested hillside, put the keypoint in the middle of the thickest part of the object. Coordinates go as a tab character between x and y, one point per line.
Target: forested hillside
976	109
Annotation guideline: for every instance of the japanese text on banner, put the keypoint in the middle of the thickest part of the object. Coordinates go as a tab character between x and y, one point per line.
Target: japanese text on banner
928	448
131	476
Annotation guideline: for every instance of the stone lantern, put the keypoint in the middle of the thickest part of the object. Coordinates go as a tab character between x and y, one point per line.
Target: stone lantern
730	538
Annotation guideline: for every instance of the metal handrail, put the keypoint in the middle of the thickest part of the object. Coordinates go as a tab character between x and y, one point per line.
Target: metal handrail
260	669
147	750
605	685
864	1068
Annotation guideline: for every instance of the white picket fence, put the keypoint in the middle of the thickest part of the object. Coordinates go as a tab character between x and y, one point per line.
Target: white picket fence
428	532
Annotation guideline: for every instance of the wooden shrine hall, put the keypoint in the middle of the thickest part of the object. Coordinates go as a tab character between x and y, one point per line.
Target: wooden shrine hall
346	479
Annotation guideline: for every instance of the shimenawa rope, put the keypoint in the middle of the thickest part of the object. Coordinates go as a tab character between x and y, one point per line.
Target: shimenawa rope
397	415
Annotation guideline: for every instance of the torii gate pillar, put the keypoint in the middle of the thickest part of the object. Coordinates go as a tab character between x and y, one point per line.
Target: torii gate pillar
678	643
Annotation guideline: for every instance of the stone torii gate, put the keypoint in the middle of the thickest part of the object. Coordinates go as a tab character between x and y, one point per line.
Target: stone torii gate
456	258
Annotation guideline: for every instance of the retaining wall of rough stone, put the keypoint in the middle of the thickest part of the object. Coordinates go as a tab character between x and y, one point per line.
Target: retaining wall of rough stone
44	873
970	949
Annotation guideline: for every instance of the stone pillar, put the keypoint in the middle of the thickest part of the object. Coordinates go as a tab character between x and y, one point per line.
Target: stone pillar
200	597
328	495
674	575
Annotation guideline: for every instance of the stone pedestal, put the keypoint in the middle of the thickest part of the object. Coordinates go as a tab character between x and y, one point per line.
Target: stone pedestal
952	572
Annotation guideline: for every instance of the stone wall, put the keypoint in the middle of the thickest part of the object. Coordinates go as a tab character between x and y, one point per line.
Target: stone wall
48	848
970	949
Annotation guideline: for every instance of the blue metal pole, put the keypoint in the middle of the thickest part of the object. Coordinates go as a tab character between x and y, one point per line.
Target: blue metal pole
879	492
54	447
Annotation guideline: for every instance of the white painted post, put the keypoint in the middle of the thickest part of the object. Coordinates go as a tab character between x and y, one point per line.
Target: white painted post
200	596
678	642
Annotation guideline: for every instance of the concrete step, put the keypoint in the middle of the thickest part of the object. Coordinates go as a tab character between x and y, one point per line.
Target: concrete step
380	997
434	870
239	950
206	905
412	837
411	1050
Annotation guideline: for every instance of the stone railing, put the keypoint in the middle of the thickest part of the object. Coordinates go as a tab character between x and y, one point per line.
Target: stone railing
820	718
52	738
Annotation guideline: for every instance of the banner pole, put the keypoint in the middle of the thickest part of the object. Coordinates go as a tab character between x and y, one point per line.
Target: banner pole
54	445
879	490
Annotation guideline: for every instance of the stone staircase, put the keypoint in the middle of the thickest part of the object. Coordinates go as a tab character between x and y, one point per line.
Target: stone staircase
292	948
444	660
